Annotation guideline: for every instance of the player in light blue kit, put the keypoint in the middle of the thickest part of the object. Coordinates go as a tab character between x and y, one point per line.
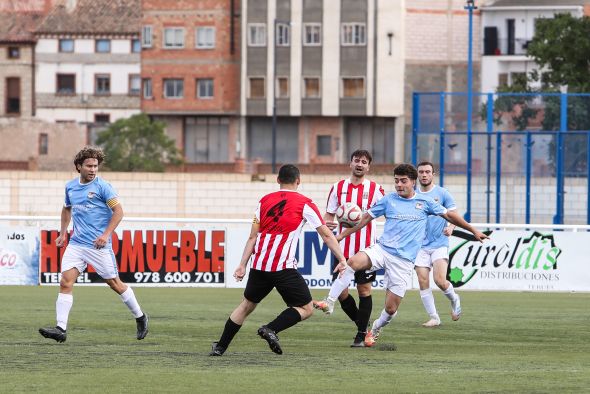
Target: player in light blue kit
96	210
434	253
406	214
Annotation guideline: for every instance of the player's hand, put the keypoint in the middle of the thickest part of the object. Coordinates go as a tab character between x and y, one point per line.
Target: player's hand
100	242
340	267
239	273
332	225
480	236
448	231
60	241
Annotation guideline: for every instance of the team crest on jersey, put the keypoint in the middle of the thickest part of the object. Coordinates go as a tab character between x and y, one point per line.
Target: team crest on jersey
365	195
91	195
419	205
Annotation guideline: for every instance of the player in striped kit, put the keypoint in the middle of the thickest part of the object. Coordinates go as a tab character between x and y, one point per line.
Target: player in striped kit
271	248
365	194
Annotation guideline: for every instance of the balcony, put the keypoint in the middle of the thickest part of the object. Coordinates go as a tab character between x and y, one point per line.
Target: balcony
505	46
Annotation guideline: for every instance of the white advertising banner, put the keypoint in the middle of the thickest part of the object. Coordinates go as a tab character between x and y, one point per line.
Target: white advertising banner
19	256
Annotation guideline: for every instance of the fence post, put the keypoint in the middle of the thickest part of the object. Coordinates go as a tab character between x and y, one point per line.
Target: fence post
558	218
498	173
490	130
529	168
415	126
441	127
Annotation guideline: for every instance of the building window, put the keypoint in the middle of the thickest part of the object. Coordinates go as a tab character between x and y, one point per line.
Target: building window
353	34
503	79
282	87
256	35
283	34
146	36
66	83
66	45
135	46
324	145
102	46
205	88
102	118
43	144
173	88
205	37
13	52
147	88
174	37
256	88
311	87
312	34
134	84
12	96
353	87
102	84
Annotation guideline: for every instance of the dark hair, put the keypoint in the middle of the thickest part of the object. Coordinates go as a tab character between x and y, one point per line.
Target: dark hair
288	174
88	152
426	163
406	169
361	153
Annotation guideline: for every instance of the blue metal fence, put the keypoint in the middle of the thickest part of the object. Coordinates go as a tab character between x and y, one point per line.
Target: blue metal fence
535	136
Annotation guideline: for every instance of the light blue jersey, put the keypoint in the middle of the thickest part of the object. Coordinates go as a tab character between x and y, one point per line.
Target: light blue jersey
434	229
405	223
91	205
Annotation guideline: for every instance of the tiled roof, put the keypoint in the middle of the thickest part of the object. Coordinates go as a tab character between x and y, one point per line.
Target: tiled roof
535	3
18	27
94	17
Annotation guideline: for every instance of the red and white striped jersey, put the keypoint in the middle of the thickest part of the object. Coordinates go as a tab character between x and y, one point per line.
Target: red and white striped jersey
365	195
282	215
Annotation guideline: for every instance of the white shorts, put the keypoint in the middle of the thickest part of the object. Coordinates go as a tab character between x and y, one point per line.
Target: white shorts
426	257
398	272
102	260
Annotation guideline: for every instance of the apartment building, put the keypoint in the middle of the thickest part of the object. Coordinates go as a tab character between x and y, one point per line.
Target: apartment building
87	61
191	75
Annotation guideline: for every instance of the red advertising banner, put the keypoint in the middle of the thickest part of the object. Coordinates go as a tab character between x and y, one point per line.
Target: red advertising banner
150	256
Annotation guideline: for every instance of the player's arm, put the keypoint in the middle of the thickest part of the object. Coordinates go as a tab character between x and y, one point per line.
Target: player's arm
329	219
330	240
240	271
116	218
456	219
366	219
66	217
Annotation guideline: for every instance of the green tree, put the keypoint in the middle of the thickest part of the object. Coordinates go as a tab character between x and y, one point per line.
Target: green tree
561	48
138	144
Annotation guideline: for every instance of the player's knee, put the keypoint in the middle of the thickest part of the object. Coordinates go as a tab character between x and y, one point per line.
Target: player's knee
305	311
364	290
441	283
390	310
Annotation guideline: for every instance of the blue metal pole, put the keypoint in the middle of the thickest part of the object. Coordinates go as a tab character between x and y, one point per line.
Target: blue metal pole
588	179
558	218
415	126
498	173
441	128
490	130
469	7
529	168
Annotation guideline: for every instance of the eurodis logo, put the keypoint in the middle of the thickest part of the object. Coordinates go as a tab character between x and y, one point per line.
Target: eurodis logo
531	258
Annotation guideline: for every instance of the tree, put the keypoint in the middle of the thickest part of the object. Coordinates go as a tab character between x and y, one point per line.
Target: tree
561	49
138	144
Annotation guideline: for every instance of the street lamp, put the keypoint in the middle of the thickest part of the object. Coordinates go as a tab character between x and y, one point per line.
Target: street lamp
274	93
470	6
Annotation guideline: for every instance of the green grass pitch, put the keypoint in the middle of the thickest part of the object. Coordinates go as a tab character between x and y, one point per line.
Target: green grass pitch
504	342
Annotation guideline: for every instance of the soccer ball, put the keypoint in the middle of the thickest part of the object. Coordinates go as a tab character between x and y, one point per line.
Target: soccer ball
348	214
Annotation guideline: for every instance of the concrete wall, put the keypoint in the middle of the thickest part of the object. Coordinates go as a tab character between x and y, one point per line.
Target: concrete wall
236	195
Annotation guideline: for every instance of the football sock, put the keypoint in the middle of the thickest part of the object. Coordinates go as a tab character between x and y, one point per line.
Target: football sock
450	292
128	297
383	320
364	313
341	283
348	305
62	309
229	331
288	318
428	302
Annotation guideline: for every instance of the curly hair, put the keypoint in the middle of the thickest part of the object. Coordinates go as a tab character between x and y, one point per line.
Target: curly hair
88	152
406	169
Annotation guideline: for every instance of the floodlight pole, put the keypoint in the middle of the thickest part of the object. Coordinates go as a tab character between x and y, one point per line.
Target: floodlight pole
470	6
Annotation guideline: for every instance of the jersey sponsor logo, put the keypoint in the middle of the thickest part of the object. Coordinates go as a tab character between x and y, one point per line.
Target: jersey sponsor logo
91	195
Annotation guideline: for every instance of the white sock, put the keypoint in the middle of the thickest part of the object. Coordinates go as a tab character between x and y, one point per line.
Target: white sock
450	292
340	284
383	320
428	302
128	297
62	309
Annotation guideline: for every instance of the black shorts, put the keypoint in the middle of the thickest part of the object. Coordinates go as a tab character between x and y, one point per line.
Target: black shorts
360	277
289	283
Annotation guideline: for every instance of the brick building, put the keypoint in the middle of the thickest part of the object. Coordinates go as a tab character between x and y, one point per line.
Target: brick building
191	75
